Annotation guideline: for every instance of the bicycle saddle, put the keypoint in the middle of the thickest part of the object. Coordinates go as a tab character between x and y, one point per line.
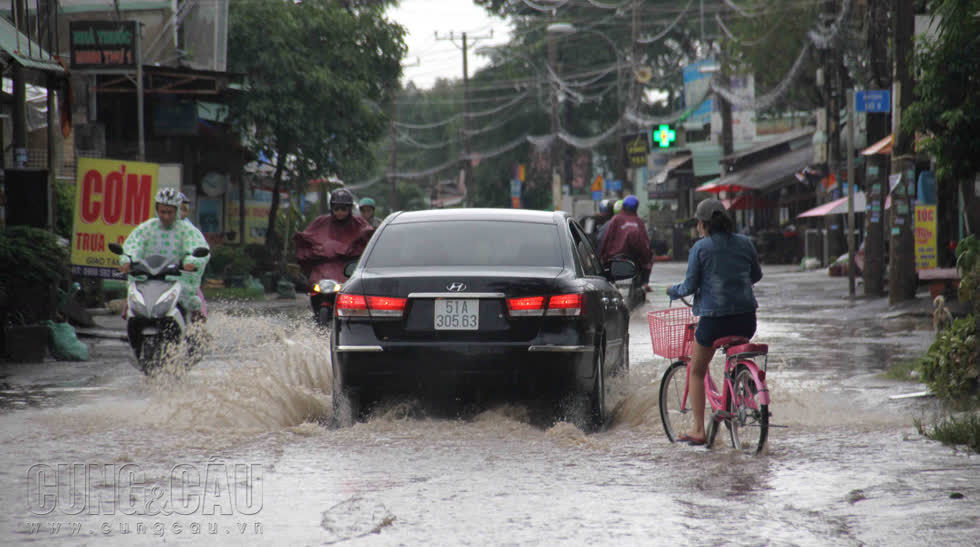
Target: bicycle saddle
726	341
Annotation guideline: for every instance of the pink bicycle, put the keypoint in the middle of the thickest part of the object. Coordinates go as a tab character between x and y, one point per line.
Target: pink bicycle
742	403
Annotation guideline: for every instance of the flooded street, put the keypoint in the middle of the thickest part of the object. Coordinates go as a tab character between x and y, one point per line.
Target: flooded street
235	451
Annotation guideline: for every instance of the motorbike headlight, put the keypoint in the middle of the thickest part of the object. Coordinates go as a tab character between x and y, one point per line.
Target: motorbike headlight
326	286
167	301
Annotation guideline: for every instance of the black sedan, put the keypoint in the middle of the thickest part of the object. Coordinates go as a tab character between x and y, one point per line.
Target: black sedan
448	300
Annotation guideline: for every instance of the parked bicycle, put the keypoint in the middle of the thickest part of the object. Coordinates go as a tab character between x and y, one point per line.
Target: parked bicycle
742	403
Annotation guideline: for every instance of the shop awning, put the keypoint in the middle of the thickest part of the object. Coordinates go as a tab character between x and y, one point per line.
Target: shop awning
836	207
714	187
766	174
884	146
24	51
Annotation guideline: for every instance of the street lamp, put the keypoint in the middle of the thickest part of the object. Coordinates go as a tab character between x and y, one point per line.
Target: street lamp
557	150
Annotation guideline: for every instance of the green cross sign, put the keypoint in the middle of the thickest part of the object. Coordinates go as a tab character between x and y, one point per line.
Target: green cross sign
664	135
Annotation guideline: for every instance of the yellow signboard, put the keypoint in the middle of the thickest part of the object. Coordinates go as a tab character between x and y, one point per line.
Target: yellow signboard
256	219
111	198
925	237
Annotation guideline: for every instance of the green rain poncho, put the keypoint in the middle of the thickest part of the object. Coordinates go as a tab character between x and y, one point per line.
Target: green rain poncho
181	239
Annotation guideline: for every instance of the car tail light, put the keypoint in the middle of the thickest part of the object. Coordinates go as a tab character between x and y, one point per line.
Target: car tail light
565	304
356	305
528	306
386	306
351	305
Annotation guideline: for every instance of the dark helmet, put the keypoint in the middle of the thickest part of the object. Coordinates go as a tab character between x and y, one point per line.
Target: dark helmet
606	207
341	196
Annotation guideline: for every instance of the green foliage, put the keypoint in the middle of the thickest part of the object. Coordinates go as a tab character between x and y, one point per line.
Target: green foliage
950	367
318	73
31	256
968	264
64	208
955	431
230	260
947	105
904	371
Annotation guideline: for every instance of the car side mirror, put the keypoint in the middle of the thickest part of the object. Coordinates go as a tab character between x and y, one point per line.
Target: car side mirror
349	268
619	268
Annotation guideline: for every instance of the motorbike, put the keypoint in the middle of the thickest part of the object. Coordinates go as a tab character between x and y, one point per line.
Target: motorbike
155	319
323	295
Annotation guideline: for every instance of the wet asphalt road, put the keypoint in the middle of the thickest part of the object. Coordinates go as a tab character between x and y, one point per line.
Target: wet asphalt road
235	451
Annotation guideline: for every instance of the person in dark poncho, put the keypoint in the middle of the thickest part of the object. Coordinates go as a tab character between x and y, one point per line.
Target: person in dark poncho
332	240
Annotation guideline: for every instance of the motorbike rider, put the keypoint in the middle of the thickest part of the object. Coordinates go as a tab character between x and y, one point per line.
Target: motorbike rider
185	211
605	215
626	236
367	211
165	235
332	240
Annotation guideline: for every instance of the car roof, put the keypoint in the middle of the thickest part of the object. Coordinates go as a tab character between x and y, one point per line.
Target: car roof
505	215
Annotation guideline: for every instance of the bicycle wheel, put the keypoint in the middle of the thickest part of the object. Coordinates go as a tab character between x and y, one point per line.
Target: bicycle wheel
677	417
750	419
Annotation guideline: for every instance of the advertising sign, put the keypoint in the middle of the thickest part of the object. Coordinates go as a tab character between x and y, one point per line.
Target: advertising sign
925	237
637	149
697	77
111	198
103	44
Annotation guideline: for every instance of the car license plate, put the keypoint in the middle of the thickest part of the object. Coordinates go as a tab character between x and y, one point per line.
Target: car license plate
454	314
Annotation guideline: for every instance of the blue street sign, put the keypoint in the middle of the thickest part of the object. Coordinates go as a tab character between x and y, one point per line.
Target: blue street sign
515	188
596	196
873	101
614	185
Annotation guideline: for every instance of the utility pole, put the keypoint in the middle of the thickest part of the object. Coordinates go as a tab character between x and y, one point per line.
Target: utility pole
876	172
393	204
902	278
850	192
467	165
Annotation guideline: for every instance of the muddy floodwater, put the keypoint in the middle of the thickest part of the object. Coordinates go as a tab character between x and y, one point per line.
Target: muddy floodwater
236	451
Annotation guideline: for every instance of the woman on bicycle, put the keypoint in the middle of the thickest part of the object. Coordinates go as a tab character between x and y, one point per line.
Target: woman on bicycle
721	269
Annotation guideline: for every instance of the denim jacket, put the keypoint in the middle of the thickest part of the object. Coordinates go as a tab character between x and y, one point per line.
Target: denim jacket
721	270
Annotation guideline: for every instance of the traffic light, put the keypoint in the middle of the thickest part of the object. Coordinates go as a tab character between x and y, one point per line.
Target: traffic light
664	136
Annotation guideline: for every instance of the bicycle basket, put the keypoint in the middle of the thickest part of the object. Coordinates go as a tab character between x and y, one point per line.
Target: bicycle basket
669	331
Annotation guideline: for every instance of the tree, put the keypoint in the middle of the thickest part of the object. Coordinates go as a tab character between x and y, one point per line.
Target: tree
947	104
318	74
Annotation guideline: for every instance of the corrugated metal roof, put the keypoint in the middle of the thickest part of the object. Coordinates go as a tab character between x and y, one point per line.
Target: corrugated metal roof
769	173
25	51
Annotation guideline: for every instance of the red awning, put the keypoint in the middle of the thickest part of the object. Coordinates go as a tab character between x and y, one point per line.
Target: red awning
836	207
714	187
884	146
748	201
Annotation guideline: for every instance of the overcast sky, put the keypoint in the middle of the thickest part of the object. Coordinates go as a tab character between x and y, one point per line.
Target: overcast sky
442	59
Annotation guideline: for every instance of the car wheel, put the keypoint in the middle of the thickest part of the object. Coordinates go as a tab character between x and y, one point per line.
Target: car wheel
624	363
346	405
597	399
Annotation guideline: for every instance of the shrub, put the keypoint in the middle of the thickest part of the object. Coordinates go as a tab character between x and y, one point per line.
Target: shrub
33	256
950	367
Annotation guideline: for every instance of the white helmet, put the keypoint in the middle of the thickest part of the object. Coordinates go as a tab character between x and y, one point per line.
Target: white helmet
169	196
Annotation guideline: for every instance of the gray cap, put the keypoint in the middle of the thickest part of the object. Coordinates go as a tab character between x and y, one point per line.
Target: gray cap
707	208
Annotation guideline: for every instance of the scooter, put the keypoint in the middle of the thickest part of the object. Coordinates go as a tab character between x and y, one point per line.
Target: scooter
323	295
155	319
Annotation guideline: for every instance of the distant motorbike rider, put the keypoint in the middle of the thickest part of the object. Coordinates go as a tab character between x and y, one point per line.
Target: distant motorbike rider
367	212
332	240
605	215
166	236
626	236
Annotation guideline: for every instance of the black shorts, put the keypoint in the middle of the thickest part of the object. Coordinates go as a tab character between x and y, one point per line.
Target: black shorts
712	328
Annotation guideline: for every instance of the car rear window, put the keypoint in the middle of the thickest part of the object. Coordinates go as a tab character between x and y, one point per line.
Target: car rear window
466	243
